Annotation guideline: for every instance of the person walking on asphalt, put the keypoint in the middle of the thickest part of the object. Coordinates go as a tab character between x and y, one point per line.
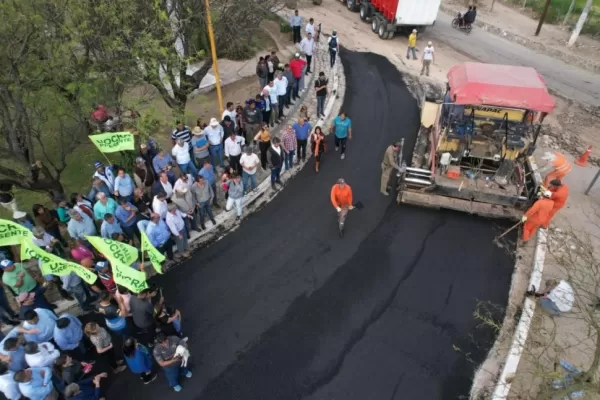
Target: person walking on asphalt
334	48
296	23
412	45
164	354
236	195
389	163
341	198
428	58
317	145
537	216
560	193
275	158
321	90
302	130
142	313
342	128
289	145
138	360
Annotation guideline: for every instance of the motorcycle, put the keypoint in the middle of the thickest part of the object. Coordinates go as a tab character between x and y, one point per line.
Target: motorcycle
465	26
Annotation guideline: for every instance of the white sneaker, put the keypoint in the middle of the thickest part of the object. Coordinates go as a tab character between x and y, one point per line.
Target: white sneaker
337	148
343	156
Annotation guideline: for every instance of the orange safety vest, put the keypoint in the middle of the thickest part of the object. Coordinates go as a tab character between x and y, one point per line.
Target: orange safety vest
559	196
341	197
561	165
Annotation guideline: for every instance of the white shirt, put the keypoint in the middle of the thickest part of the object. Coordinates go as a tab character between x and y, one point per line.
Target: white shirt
281	85
272	93
45	241
270	66
9	387
307	45
179	184
232	115
563	296
214	135
175	222
277	149
167	188
181	153
310	28
234	147
159	207
250	163
428	53
108	178
45	357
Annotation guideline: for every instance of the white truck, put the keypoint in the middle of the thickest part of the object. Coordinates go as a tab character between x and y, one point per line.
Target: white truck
390	16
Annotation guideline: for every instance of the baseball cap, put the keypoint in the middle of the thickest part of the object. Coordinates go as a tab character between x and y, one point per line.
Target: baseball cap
19	214
6	264
100	265
340	181
98	164
297	55
139	160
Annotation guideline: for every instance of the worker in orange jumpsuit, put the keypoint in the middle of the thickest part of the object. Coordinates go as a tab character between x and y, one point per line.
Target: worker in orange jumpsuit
537	215
557	167
341	198
560	192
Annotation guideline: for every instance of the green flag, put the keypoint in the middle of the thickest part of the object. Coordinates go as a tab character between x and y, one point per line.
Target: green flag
155	256
113	141
116	252
132	279
12	233
51	264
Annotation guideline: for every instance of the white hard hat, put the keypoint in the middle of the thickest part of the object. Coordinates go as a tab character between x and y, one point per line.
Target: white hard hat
547	193
429	43
414	31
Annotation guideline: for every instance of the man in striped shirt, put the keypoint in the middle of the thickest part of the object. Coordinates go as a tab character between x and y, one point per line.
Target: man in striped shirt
184	133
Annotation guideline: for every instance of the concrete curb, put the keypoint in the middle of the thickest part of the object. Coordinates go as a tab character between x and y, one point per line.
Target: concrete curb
503	385
567	57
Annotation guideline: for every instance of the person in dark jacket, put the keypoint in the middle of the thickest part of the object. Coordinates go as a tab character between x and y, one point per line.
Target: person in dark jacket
88	389
275	159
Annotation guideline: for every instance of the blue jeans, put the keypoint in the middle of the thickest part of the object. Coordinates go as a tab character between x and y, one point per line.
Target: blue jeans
214	188
189	168
288	158
296	87
275	174
204	210
173	372
320	105
216	154
249	177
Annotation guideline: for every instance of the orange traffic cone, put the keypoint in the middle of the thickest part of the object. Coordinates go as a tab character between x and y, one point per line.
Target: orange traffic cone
582	161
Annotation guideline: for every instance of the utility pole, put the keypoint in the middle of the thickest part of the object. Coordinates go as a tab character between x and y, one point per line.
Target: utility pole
213	51
543	17
580	22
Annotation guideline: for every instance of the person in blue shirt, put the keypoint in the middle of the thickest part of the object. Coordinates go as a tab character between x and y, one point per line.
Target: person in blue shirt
160	236
21	218
163	162
124	185
342	128
208	173
11	347
36	383
138	359
39	325
68	334
126	214
109	226
302	130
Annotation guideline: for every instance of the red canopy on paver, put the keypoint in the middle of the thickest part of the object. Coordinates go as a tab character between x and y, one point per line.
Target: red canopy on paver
499	85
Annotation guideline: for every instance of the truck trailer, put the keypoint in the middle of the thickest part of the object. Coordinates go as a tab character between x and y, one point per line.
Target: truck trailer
390	16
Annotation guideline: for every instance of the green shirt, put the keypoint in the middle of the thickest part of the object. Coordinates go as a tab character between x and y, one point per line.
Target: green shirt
100	210
11	278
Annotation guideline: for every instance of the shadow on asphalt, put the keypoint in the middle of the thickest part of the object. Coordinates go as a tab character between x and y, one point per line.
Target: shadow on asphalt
282	308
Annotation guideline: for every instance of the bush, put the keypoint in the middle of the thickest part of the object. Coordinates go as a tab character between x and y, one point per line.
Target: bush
285	27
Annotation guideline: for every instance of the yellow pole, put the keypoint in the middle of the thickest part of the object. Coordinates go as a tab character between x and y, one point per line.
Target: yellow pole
213	50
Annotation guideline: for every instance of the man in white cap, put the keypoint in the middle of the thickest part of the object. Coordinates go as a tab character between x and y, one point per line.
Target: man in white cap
412	45
214	133
428	58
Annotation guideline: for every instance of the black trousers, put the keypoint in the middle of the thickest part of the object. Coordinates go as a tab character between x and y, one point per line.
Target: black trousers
297	35
308	62
301	149
263	147
341	142
234	163
167	247
281	105
332	54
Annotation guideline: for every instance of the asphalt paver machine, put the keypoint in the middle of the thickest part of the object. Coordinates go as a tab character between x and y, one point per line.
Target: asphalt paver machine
474	148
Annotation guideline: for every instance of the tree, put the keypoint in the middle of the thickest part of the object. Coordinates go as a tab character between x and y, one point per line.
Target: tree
580	22
48	84
554	343
167	36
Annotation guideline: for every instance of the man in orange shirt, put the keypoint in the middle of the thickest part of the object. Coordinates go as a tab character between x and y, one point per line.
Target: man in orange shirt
560	192
341	198
537	216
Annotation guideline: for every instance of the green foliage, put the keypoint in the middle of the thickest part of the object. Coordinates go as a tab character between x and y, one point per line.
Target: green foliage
285	27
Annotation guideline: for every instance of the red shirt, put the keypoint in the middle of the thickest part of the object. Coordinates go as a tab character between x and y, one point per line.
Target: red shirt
296	65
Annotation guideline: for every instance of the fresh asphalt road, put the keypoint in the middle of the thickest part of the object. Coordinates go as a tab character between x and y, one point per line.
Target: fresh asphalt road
285	309
567	80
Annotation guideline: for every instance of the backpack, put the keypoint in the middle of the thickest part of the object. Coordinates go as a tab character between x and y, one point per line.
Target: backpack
333	43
